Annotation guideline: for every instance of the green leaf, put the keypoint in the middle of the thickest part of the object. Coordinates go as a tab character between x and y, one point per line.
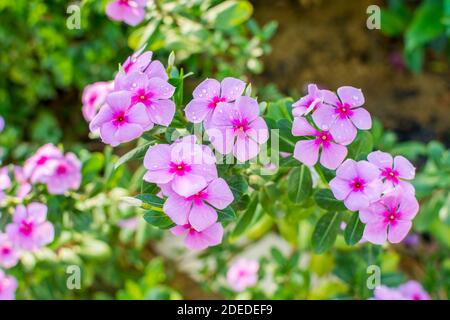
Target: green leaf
158	219
325	233
247	217
354	230
178	83
137	153
427	25
299	184
151	201
226	215
326	200
238	185
229	14
284	135
393	23
414	58
362	145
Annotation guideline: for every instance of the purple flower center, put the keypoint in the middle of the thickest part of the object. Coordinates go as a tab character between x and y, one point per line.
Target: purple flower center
357	185
323	138
61	169
198	197
215	101
26	228
124	2
42	160
343	110
391	215
119	119
92	99
143	97
179	168
6	250
390	174
240	125
416	296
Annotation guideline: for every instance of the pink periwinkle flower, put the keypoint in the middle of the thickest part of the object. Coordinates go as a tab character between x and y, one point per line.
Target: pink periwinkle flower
30	229
64	174
307	151
238	128
243	274
208	95
9	255
24	186
357	184
140	61
186	165
199	210
309	103
131	12
94	96
341	116
395	172
8	286
36	167
119	121
154	93
199	240
389	218
411	290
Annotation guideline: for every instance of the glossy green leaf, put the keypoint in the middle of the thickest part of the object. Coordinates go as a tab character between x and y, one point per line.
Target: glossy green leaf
137	153
325	233
326	200
354	230
229	14
299	184
361	146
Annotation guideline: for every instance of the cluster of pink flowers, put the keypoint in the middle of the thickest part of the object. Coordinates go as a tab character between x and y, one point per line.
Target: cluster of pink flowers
232	121
140	98
411	290
131	12
187	175
28	231
243	274
94	97
380	190
328	122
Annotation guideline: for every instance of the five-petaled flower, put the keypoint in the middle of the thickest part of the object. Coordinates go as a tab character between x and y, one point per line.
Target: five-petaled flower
411	290
238	128
94	96
357	184
200	240
30	229
63	174
341	116
307	151
119	121
208	95
186	165
395	172
389	218
198	210
131	12
243	274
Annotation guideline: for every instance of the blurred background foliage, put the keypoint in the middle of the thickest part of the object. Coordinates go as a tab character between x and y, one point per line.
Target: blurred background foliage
44	67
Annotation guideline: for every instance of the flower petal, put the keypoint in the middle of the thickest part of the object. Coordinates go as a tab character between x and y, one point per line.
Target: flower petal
197	110
248	108
301	127
340	188
333	155
398	230
324	117
356	201
232	88
258	130
307	152
208	89
245	148
405	169
381	159
347	170
343	131
351	95
188	184
376	232
202	216
161	112
361	119
219	194
177	208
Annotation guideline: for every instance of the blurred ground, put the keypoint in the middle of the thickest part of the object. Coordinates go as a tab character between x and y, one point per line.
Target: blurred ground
326	42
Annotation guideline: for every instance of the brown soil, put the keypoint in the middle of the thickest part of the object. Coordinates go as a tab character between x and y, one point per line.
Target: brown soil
327	43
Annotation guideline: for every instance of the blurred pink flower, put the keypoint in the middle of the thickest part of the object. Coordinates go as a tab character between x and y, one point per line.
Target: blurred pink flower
94	96
341	116
394	171
187	166
8	286
307	151
243	274
2	123
309	103
411	290
154	93
64	174
390	217
208	95
129	224
198	210
25	186
200	240
357	184
120	122
30	229
36	167
238	128
131	12
9	256
5	181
